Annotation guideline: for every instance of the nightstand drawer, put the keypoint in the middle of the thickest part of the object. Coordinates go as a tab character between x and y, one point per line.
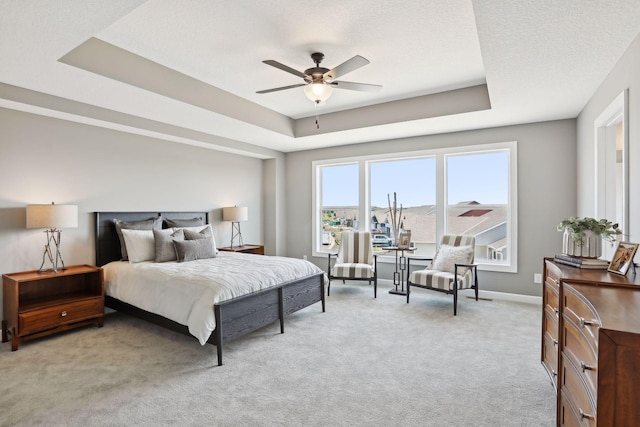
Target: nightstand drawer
39	320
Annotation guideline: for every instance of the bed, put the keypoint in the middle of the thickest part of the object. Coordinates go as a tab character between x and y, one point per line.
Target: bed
234	316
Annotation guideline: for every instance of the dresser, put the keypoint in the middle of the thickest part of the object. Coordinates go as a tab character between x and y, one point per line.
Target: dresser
591	345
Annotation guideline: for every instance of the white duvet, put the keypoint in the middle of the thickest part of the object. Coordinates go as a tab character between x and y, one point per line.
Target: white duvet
186	292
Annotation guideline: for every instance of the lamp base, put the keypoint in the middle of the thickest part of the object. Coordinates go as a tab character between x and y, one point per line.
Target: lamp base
53	235
235	232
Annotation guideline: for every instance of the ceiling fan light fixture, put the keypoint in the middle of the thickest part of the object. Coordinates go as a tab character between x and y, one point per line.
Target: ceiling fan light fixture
318	91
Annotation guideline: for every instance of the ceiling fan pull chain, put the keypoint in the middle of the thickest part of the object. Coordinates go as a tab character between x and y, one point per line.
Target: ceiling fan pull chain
317	115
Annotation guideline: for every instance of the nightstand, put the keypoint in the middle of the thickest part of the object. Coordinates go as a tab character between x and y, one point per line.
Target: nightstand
40	304
247	249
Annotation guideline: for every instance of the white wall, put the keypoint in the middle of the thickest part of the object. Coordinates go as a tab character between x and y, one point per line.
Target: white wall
625	75
44	159
546	191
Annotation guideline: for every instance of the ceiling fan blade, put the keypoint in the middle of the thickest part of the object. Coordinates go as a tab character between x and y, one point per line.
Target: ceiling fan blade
346	67
275	89
285	68
363	87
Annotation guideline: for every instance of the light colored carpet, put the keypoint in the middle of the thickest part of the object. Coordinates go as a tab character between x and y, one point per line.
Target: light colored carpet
364	362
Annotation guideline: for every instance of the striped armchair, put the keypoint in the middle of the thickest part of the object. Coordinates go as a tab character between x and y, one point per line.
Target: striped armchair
451	269
355	260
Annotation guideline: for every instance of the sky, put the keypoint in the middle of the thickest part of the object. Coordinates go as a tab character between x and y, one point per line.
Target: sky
482	177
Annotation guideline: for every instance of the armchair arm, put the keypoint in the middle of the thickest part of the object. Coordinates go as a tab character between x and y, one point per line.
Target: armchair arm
416	259
329	255
473	266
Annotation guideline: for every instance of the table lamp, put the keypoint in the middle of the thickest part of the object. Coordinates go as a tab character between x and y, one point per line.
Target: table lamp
235	215
52	217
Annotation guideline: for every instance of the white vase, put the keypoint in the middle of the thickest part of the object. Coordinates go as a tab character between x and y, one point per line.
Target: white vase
589	247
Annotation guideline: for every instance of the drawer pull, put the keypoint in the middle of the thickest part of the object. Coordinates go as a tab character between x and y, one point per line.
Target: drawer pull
63	314
584	322
586	367
556	311
555	342
586	416
554	373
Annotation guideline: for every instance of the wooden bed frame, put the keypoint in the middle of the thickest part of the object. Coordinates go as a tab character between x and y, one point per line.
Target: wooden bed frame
236	317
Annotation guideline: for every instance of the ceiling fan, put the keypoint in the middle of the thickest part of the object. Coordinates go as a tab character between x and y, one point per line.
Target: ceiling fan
320	81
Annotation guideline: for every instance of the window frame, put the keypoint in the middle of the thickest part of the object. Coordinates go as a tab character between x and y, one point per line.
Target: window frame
440	155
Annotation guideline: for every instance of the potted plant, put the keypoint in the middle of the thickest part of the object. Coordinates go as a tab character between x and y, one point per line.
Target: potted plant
583	236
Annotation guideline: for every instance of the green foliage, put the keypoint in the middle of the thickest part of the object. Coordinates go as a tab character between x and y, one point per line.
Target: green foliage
577	226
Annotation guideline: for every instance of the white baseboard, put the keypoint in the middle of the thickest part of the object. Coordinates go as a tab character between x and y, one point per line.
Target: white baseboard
503	296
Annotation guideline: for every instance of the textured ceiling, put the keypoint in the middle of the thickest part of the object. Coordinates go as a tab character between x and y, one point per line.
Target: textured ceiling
188	71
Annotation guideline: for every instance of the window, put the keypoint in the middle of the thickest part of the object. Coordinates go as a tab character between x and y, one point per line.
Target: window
339	203
478	201
463	190
413	181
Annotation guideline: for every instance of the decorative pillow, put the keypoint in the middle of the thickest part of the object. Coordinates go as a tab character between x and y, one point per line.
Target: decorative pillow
147	224
448	256
193	222
140	245
164	249
204	232
190	250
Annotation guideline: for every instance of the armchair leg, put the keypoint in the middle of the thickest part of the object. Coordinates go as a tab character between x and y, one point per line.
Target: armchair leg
475	282
329	288
375	287
455	299
408	291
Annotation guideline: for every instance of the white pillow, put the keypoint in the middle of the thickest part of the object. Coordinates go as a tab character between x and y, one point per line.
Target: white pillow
140	244
448	256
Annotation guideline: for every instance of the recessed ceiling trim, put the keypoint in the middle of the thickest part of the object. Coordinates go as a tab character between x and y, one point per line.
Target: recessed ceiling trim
107	60
53	106
466	100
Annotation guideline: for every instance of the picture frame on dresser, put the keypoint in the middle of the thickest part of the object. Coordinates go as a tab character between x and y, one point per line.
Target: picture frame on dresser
623	258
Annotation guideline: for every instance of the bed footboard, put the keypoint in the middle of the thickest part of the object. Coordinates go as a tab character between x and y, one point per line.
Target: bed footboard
240	316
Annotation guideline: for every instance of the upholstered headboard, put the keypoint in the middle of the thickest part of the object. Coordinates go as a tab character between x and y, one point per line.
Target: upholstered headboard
106	238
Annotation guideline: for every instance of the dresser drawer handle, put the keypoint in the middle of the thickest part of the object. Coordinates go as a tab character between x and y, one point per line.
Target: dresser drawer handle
586	416
555	342
556	311
554	373
586	367
63	314
584	322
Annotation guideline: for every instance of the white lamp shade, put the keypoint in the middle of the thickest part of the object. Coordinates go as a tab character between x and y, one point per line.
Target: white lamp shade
235	214
52	216
318	91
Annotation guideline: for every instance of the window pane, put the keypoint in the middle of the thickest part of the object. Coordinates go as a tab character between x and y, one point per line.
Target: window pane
478	197
414	183
339	203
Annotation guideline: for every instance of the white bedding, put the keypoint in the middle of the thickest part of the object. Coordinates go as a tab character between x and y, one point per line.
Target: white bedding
186	292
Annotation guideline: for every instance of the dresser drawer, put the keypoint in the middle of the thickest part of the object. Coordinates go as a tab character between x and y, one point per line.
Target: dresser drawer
550	325
550	359
569	416
39	320
580	311
551	297
553	272
578	348
576	392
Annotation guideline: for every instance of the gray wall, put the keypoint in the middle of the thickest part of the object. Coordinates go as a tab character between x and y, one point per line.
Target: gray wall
546	191
45	159
625	75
